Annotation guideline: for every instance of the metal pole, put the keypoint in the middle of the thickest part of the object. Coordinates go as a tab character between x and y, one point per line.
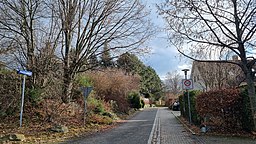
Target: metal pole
184	103
84	110
86	91
189	112
22	99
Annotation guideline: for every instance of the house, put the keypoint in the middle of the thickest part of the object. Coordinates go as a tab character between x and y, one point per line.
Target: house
214	75
170	98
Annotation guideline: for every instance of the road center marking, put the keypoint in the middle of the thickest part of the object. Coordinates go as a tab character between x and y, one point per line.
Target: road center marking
154	137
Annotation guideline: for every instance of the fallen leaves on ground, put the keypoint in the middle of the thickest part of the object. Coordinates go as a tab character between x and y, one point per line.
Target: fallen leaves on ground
197	130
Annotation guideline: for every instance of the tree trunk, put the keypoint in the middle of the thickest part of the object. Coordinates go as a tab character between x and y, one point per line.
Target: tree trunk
67	77
67	87
252	96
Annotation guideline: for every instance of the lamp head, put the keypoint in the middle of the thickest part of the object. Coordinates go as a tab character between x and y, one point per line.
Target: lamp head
185	71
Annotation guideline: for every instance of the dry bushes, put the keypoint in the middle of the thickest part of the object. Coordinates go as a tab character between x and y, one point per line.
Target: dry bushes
10	93
114	85
221	109
54	111
44	106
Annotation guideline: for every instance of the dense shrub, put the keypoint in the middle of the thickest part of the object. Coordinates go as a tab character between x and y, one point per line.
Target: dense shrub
10	93
247	119
182	109
183	99
221	109
97	105
99	111
135	100
83	80
34	95
114	85
99	119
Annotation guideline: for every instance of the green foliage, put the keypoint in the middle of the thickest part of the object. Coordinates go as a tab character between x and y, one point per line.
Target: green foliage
130	63
142	103
35	95
99	111
99	119
81	81
5	71
194	115
135	100
96	105
84	80
183	99
247	119
150	83
106	59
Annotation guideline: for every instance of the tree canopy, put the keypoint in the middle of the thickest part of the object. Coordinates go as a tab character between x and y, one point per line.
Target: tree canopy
211	29
69	33
150	83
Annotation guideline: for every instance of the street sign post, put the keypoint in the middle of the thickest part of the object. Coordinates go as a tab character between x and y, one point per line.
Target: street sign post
86	92
187	84
24	73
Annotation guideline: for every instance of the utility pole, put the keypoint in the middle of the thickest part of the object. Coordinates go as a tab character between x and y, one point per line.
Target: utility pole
187	84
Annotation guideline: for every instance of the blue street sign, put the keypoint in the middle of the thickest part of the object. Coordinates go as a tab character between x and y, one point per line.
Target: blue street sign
87	91
24	72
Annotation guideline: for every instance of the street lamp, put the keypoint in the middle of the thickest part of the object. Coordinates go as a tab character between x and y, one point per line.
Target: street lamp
189	112
185	72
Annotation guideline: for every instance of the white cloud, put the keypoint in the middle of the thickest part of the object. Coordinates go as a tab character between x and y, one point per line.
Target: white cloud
184	66
164	57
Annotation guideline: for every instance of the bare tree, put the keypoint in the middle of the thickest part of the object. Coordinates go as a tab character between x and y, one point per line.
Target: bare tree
88	25
218	75
28	29
173	82
212	27
79	29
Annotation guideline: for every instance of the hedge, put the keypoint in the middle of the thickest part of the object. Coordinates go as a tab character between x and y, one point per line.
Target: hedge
222	110
184	111
225	110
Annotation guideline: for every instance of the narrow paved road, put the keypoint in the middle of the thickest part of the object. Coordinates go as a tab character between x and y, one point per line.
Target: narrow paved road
150	126
154	126
135	131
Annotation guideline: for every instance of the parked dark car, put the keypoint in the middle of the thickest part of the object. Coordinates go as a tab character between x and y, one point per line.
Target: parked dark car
176	106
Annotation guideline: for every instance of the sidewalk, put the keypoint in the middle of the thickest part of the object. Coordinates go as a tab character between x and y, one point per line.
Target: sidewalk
172	131
216	139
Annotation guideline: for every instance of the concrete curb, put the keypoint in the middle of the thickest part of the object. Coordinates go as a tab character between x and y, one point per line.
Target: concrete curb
186	127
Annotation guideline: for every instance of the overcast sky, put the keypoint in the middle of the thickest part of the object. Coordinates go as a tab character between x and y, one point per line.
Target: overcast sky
164	58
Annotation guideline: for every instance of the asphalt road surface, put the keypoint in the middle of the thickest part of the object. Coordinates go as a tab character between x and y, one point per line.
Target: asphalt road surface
137	130
154	126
